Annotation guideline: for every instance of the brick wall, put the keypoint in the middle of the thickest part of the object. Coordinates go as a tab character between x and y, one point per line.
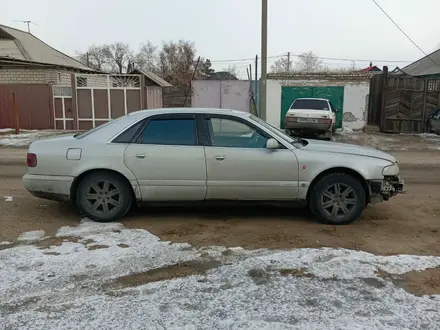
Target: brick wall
34	76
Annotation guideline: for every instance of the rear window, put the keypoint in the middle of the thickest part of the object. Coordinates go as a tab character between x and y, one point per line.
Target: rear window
83	134
310	104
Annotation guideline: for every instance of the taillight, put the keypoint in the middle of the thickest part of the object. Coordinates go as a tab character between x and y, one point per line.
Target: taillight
31	160
325	120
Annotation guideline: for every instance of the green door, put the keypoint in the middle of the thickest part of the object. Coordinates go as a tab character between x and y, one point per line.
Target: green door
334	93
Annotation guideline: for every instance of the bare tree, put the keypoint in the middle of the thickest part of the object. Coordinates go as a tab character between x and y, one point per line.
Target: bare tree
147	57
177	62
97	57
280	65
232	69
308	62
121	56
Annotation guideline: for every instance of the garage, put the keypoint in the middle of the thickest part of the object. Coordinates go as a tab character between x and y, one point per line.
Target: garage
334	94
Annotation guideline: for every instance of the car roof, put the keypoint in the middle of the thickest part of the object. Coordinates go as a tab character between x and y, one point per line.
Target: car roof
311	98
160	111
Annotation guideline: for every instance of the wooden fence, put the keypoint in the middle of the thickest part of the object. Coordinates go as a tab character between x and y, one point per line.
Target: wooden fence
402	104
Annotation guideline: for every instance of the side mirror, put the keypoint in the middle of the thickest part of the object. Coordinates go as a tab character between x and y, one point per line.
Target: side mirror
272	144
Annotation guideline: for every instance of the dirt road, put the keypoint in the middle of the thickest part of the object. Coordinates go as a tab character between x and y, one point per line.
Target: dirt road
409	224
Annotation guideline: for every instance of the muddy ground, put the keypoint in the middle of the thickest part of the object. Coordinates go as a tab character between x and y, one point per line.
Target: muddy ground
408	224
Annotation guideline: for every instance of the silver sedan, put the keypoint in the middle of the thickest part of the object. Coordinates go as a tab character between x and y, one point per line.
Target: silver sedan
193	155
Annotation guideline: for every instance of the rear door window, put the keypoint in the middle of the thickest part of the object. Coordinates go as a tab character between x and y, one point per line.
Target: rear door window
170	132
310	105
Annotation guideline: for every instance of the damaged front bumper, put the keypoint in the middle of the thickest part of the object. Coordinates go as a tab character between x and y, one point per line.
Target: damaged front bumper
383	190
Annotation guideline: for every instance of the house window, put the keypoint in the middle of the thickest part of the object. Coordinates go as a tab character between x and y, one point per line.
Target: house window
59	77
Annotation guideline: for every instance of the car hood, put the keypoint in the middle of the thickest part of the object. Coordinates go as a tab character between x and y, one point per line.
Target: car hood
348	149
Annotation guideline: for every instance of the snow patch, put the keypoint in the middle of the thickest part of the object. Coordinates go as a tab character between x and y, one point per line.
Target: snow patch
25	137
344	130
89	227
31	236
67	286
9	198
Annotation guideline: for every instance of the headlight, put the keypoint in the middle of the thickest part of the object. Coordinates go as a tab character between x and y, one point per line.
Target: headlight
391	170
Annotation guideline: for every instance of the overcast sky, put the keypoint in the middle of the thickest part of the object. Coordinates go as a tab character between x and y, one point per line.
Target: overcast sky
230	29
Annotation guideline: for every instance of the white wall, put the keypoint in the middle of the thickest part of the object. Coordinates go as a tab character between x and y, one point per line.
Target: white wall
355	99
273	102
356	105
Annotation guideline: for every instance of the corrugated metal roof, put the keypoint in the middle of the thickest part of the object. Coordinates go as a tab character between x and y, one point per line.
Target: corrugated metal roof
9	48
153	77
425	66
33	49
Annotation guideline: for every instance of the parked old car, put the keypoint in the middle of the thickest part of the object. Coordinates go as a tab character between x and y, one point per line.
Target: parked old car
189	154
433	125
311	116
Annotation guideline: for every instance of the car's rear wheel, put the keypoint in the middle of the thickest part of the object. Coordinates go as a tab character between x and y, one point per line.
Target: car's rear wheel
337	199
104	196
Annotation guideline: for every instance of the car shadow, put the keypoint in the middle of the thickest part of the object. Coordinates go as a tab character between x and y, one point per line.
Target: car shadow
223	212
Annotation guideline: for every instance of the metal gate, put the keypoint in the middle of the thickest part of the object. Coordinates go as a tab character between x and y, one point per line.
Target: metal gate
334	93
62	107
227	94
101	97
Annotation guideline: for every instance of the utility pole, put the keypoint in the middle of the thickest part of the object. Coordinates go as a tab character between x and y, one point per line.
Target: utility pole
256	67
288	62
257	111
263	59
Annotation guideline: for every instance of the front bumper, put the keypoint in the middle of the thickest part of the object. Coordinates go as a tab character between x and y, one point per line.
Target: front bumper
383	190
49	187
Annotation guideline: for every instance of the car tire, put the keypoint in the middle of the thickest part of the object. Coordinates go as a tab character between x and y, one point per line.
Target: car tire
337	199
104	196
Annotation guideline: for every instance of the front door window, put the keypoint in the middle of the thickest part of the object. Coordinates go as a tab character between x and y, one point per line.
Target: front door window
234	134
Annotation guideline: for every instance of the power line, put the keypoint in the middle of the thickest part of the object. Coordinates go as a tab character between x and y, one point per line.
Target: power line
243	59
401	30
319	57
355	60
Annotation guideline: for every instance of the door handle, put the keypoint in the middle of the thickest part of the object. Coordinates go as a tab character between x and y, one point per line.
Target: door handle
141	156
220	158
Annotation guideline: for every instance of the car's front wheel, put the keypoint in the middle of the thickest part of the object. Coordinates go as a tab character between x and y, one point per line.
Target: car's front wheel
337	199
104	196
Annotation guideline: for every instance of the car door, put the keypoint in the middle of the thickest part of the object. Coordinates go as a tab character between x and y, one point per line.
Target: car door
167	159
240	167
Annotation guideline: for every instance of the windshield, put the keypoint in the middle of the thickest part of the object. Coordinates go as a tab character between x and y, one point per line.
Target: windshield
273	129
310	104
